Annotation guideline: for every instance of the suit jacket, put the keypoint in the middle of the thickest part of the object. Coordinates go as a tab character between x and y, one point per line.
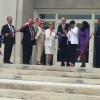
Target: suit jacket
97	39
48	38
27	36
9	39
63	39
39	31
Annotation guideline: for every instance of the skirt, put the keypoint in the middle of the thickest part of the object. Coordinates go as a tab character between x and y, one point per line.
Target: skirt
49	50
82	47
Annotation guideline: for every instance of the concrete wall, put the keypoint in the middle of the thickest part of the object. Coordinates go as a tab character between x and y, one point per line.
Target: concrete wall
25	10
20	10
7	9
67	4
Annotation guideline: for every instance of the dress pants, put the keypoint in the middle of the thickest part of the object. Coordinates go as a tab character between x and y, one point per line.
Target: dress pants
39	48
7	52
27	53
65	54
72	50
97	56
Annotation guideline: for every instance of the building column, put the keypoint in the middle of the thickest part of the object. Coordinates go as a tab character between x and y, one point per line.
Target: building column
25	10
17	53
7	8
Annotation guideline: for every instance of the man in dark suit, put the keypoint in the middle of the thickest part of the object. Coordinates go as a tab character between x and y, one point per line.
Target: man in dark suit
63	43
9	39
97	44
27	42
0	40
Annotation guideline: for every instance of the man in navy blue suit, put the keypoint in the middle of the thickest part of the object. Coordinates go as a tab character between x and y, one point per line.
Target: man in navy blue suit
9	39
28	41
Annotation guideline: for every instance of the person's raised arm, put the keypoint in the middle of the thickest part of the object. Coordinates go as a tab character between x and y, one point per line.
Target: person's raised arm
74	31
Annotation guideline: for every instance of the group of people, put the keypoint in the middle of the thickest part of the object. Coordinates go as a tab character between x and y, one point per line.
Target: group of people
31	36
70	37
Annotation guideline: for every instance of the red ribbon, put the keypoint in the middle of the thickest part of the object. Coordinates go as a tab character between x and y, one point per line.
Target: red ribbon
38	20
0	52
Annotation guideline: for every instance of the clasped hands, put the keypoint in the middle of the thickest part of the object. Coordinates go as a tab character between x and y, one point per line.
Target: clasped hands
63	35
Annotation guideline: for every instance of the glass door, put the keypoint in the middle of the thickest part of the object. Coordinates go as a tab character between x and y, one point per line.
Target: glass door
89	60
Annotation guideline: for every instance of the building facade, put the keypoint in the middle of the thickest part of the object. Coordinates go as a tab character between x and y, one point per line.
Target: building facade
50	10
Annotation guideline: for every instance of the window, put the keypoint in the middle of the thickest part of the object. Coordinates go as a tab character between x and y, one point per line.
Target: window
97	16
47	16
75	16
46	25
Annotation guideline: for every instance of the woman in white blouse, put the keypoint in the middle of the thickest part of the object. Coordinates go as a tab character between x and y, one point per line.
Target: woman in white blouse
40	37
72	42
50	36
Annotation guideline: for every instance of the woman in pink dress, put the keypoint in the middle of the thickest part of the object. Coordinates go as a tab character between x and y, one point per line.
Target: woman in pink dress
84	36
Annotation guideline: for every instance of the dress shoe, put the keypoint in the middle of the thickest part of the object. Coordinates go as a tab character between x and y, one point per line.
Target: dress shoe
25	63
72	65
62	64
10	62
68	65
83	66
39	64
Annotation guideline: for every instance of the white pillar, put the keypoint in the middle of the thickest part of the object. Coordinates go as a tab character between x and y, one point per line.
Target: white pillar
7	8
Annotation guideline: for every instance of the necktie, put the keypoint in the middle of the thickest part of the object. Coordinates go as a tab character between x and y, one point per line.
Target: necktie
11	30
32	33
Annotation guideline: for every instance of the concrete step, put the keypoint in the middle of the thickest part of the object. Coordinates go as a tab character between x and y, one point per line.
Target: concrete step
50	68
50	73
51	87
9	99
28	95
50	79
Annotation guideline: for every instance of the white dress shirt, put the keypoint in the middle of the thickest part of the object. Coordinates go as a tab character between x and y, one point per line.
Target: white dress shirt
73	35
11	29
63	26
32	32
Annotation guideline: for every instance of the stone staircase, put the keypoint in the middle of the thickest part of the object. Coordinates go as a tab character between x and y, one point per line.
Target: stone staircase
32	82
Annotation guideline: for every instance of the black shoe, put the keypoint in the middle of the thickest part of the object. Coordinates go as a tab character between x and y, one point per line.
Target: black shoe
10	62
62	64
68	65
25	63
5	62
28	63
